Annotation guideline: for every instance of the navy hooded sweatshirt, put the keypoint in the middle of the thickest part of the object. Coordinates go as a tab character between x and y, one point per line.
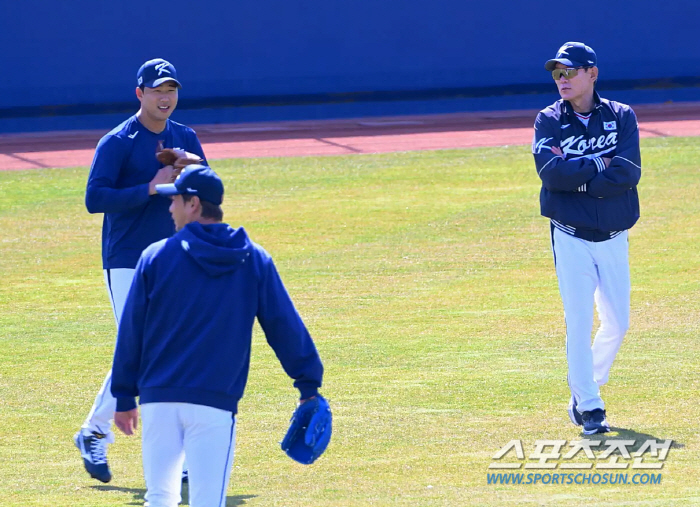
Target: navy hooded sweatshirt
185	334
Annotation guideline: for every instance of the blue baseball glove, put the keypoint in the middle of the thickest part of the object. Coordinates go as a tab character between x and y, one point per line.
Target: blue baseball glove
309	432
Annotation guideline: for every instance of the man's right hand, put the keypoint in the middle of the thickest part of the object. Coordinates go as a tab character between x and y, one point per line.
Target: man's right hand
127	421
164	176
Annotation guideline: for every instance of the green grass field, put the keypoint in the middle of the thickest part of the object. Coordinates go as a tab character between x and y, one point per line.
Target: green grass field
428	284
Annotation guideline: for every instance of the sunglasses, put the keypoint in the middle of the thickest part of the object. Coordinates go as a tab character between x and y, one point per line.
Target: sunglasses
567	73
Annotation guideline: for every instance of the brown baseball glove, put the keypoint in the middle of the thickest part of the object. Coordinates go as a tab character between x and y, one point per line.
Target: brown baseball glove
176	157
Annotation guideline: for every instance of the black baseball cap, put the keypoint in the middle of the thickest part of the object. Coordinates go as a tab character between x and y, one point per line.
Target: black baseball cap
199	180
573	54
155	72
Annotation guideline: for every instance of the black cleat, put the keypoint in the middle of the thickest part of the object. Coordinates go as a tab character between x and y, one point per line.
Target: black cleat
594	422
93	448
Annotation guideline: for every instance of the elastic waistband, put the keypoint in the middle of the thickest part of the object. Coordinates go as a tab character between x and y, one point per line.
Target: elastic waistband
185	395
592	235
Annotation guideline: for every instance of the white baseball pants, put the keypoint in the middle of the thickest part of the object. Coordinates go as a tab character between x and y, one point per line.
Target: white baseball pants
99	419
589	272
206	434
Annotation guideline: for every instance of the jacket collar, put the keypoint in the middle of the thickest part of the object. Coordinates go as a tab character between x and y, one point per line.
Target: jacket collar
597	101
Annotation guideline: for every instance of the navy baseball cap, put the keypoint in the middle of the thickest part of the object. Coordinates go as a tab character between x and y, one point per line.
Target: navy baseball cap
199	180
154	73
573	54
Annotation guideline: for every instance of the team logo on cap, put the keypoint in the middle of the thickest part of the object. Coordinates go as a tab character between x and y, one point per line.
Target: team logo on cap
162	67
140	80
564	50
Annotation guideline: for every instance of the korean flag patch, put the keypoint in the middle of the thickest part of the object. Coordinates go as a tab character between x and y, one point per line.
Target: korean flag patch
609	125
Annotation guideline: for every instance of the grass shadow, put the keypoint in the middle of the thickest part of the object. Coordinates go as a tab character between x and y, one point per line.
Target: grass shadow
617	433
140	495
231	501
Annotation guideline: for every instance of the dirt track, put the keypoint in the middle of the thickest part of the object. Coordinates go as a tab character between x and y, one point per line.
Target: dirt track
339	137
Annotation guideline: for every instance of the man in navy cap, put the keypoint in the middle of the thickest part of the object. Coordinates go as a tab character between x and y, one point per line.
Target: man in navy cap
121	185
184	342
587	155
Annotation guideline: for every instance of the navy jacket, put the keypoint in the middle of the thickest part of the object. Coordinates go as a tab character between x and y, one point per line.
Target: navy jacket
578	190
124	163
185	334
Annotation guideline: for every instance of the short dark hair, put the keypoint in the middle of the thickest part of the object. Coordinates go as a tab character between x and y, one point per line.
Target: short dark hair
209	210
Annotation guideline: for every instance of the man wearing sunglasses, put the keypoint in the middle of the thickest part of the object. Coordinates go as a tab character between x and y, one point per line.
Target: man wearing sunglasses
586	151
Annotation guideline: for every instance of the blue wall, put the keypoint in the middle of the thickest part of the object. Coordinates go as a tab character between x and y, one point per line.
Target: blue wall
84	52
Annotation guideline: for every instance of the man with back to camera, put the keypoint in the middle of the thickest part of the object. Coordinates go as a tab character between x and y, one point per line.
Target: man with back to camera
587	155
121	185
188	359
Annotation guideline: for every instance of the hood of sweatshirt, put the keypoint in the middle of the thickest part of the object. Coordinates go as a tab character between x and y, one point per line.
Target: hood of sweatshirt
217	248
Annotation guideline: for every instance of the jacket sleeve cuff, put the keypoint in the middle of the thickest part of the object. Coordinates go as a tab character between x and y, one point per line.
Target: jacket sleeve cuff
126	404
146	191
600	164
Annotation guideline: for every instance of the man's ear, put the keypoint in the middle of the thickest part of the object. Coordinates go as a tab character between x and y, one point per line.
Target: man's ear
139	93
196	204
594	73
